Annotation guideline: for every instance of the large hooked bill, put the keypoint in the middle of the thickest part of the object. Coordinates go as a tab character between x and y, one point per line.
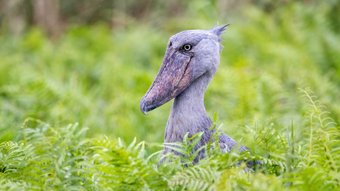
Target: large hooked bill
173	78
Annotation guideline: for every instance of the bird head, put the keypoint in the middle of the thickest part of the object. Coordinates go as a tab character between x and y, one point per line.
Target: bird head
189	55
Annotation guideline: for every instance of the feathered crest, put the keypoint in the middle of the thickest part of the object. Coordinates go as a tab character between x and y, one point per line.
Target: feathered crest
218	30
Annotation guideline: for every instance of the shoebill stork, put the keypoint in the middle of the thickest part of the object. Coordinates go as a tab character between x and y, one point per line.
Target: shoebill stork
190	62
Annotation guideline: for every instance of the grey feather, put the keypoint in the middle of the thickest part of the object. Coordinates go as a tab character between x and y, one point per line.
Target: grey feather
218	30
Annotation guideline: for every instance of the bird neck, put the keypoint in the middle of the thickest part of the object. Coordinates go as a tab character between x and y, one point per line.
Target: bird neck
188	114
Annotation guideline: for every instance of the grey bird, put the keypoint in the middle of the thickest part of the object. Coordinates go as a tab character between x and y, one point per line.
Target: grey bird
190	62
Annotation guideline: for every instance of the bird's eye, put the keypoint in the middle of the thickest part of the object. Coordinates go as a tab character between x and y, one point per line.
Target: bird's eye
186	47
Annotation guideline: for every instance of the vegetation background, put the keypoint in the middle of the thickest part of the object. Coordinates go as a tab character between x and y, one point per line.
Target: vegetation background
72	74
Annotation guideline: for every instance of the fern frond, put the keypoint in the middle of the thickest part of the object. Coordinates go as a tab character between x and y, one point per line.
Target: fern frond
323	146
194	178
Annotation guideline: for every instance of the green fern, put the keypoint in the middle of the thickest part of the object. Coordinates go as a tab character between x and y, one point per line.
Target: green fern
194	178
121	167
324	144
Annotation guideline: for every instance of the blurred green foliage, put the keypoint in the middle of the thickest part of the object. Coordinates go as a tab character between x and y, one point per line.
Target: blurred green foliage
96	76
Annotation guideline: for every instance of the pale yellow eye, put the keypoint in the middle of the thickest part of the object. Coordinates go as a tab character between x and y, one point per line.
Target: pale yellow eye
186	47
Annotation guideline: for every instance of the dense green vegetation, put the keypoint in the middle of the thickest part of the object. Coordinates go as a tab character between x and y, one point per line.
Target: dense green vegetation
277	92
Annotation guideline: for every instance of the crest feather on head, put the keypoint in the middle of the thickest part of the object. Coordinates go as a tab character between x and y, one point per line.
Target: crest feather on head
218	30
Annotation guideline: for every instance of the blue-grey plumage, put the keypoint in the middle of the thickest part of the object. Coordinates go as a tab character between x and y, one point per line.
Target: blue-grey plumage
190	62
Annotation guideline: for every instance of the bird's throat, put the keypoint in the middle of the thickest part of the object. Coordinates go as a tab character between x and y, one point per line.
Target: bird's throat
188	114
